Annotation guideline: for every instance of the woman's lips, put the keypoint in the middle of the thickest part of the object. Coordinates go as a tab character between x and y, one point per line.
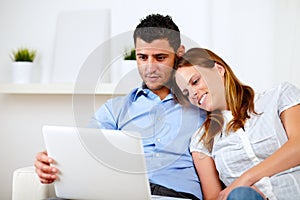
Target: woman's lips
202	98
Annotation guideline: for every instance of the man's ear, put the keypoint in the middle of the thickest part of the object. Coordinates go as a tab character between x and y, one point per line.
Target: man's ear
180	51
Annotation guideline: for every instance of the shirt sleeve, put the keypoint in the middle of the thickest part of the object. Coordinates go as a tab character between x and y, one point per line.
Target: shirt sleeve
289	96
196	145
104	118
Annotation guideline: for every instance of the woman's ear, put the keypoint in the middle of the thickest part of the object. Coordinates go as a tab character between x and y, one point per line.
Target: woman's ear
180	51
220	69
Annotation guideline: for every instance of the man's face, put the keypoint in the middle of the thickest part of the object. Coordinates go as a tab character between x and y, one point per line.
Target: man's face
155	62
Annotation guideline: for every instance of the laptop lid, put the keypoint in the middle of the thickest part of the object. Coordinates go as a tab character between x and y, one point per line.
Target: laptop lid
97	163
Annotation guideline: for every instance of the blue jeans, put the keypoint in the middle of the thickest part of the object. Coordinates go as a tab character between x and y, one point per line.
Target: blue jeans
244	193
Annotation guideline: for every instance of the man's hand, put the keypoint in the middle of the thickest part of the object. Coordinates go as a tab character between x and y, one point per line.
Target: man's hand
46	173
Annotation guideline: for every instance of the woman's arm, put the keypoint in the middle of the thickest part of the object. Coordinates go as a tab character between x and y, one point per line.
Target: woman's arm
209	177
284	158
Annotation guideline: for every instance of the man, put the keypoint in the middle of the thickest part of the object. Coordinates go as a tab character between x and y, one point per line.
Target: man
166	127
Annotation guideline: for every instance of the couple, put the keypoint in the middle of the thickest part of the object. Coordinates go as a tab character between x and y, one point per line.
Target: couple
234	125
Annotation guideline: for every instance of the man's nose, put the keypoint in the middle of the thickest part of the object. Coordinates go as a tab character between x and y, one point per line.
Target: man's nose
151	65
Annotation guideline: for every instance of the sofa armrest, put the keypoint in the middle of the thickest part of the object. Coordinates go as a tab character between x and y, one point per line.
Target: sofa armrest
26	185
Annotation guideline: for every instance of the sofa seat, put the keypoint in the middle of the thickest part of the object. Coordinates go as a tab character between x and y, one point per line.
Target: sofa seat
27	186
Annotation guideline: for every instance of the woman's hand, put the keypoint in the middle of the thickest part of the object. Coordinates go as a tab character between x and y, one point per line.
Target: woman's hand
242	181
237	183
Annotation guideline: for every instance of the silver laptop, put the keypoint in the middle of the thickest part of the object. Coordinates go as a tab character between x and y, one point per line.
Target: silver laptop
98	164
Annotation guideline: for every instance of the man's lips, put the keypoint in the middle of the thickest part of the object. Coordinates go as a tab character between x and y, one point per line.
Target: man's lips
152	77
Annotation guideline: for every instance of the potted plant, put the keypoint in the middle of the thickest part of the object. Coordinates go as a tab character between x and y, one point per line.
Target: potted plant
23	59
128	66
129	54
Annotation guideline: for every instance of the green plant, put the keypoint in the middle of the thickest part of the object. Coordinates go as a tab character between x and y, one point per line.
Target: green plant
129	54
23	54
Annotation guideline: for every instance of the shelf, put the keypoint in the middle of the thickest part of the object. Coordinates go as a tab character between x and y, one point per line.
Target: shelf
60	88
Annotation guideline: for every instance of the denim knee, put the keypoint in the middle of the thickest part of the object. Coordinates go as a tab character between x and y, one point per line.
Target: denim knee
244	193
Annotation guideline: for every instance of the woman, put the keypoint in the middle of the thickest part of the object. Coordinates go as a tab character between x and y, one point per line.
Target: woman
248	139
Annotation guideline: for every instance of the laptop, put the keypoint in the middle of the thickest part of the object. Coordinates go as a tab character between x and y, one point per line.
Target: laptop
98	164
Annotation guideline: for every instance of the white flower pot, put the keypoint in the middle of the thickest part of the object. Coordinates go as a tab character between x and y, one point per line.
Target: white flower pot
21	72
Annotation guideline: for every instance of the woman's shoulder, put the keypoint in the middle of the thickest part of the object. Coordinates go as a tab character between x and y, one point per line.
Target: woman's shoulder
281	88
196	145
286	86
282	96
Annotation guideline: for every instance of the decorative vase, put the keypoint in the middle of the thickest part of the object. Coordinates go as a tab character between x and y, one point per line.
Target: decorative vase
21	72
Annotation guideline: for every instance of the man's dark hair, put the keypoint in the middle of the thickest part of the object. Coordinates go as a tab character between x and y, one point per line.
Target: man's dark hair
156	26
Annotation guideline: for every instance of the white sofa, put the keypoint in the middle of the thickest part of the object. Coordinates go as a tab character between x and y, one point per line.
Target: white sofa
26	185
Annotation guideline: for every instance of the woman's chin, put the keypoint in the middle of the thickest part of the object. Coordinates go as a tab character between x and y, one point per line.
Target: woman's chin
206	108
202	107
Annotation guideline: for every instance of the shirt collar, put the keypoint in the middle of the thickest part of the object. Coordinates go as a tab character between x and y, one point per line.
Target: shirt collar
140	91
145	91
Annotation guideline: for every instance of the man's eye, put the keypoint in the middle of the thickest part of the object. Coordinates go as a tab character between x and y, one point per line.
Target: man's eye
142	57
160	57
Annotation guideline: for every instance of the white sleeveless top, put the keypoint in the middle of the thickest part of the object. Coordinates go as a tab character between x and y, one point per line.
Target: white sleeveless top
238	151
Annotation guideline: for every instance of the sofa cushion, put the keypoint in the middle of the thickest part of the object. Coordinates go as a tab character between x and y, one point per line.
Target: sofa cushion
26	185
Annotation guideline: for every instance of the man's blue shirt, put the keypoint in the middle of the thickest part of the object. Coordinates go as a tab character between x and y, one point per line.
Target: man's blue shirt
166	129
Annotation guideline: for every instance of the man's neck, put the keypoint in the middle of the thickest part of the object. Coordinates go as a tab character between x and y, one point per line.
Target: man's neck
162	92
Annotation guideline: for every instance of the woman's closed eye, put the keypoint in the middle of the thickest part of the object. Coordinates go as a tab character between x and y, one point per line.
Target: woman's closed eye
195	81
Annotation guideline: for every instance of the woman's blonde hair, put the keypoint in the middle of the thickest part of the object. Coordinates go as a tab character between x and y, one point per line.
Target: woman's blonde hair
239	97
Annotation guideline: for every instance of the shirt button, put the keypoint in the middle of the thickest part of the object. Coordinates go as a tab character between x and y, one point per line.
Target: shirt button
158	119
157	154
158	139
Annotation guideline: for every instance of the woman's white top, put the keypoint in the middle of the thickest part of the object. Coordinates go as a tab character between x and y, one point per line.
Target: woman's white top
236	152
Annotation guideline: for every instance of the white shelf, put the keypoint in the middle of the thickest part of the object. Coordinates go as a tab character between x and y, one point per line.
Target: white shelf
59	88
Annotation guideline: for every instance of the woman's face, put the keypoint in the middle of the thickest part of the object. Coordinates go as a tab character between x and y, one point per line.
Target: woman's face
204	87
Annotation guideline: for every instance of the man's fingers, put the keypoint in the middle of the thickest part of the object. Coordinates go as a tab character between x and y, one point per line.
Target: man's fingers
46	181
43	157
46	177
44	170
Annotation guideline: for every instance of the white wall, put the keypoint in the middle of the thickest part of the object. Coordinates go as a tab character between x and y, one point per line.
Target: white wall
32	23
250	35
22	118
259	39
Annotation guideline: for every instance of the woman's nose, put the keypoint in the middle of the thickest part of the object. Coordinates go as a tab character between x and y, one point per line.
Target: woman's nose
194	92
